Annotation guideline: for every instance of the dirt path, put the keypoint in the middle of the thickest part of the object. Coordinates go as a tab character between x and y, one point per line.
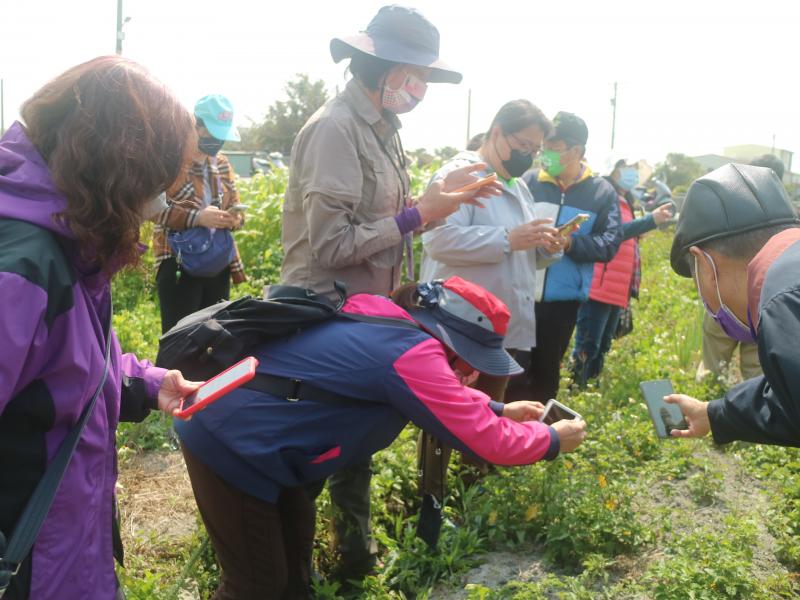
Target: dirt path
156	502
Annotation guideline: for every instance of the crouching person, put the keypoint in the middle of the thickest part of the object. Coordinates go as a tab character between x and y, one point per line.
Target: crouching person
739	238
335	394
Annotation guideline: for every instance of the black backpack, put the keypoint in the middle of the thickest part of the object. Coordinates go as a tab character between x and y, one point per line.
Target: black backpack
212	339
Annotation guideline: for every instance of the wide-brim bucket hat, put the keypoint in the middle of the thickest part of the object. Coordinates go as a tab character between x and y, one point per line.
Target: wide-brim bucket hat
402	35
469	320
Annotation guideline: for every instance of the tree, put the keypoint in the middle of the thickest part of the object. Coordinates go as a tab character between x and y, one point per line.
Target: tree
678	170
285	118
251	139
445	153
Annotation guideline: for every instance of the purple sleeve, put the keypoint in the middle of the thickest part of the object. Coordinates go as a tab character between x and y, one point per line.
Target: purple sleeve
139	388
23	333
408	220
152	376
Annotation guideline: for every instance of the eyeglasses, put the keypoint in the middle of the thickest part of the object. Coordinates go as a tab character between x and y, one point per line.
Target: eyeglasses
525	146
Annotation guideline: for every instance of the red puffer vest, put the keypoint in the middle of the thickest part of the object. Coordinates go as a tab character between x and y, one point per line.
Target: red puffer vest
611	283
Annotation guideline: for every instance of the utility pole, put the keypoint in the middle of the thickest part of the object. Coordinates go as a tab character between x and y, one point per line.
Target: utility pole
2	110
120	23
469	113
614	115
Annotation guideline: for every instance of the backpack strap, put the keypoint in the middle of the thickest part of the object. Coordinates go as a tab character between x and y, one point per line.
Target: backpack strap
30	522
294	389
395	322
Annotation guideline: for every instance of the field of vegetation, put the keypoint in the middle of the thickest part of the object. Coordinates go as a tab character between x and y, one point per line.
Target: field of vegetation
625	516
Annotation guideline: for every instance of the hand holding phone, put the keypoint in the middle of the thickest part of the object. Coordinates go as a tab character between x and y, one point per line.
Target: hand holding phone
238	208
572	225
218	386
478	183
665	417
555	411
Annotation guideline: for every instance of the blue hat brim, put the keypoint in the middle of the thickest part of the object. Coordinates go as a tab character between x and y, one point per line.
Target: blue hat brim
492	361
394	51
227	133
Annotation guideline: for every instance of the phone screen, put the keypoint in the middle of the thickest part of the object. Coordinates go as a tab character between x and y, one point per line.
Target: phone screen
573	224
666	417
219	382
557	412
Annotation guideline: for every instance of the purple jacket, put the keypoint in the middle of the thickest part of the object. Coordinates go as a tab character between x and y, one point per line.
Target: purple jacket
51	359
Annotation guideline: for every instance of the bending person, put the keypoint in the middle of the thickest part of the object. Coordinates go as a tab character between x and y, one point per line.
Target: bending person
499	247
360	385
738	237
349	215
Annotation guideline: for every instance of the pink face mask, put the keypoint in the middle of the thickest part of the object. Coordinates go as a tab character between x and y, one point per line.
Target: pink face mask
405	98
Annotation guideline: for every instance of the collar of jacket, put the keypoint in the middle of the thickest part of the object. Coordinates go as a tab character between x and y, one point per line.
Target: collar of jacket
758	267
356	98
545	177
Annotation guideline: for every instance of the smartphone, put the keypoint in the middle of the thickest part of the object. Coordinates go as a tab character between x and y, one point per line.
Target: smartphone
572	225
218	386
478	183
555	411
665	417
238	208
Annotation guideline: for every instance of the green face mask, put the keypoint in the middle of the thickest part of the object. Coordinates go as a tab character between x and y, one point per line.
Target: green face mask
551	161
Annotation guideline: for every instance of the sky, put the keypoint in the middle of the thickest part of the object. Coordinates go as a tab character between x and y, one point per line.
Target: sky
693	76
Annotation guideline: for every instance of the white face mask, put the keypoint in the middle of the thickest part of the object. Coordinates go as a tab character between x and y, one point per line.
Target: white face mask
154	206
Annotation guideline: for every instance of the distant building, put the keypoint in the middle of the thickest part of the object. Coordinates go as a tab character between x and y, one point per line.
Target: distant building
709	162
747	152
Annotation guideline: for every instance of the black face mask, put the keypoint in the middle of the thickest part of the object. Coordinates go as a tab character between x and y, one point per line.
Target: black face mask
210	145
518	163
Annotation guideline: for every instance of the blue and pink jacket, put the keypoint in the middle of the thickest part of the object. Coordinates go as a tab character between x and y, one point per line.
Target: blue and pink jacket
51	360
261	443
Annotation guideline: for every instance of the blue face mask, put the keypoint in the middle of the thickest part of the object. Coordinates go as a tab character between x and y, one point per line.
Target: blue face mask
724	317
628	178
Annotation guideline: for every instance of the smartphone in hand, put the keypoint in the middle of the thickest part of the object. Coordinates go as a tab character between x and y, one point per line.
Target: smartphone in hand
478	183
238	208
572	225
218	386
555	411
666	417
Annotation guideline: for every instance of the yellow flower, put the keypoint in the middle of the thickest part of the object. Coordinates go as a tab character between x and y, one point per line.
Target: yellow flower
567	464
602	481
493	517
532	511
611	504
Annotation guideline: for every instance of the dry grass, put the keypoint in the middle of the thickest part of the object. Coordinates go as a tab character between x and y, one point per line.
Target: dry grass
156	503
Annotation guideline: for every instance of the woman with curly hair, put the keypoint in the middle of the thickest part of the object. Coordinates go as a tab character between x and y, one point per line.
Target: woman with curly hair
100	143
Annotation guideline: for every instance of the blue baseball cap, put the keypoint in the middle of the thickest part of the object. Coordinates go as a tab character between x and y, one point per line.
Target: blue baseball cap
216	112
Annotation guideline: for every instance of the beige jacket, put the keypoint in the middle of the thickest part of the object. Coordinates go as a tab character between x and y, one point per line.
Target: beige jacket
347	181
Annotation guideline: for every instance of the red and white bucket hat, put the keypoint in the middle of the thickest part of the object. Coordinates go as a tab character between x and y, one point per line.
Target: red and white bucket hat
469	320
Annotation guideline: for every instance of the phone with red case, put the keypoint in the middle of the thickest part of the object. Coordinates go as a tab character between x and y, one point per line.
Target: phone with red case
218	386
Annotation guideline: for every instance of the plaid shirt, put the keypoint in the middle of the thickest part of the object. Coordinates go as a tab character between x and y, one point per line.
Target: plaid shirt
185	201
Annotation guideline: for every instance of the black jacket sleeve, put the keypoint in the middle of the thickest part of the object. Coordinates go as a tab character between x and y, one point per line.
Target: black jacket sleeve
767	409
602	243
638	227
134	405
